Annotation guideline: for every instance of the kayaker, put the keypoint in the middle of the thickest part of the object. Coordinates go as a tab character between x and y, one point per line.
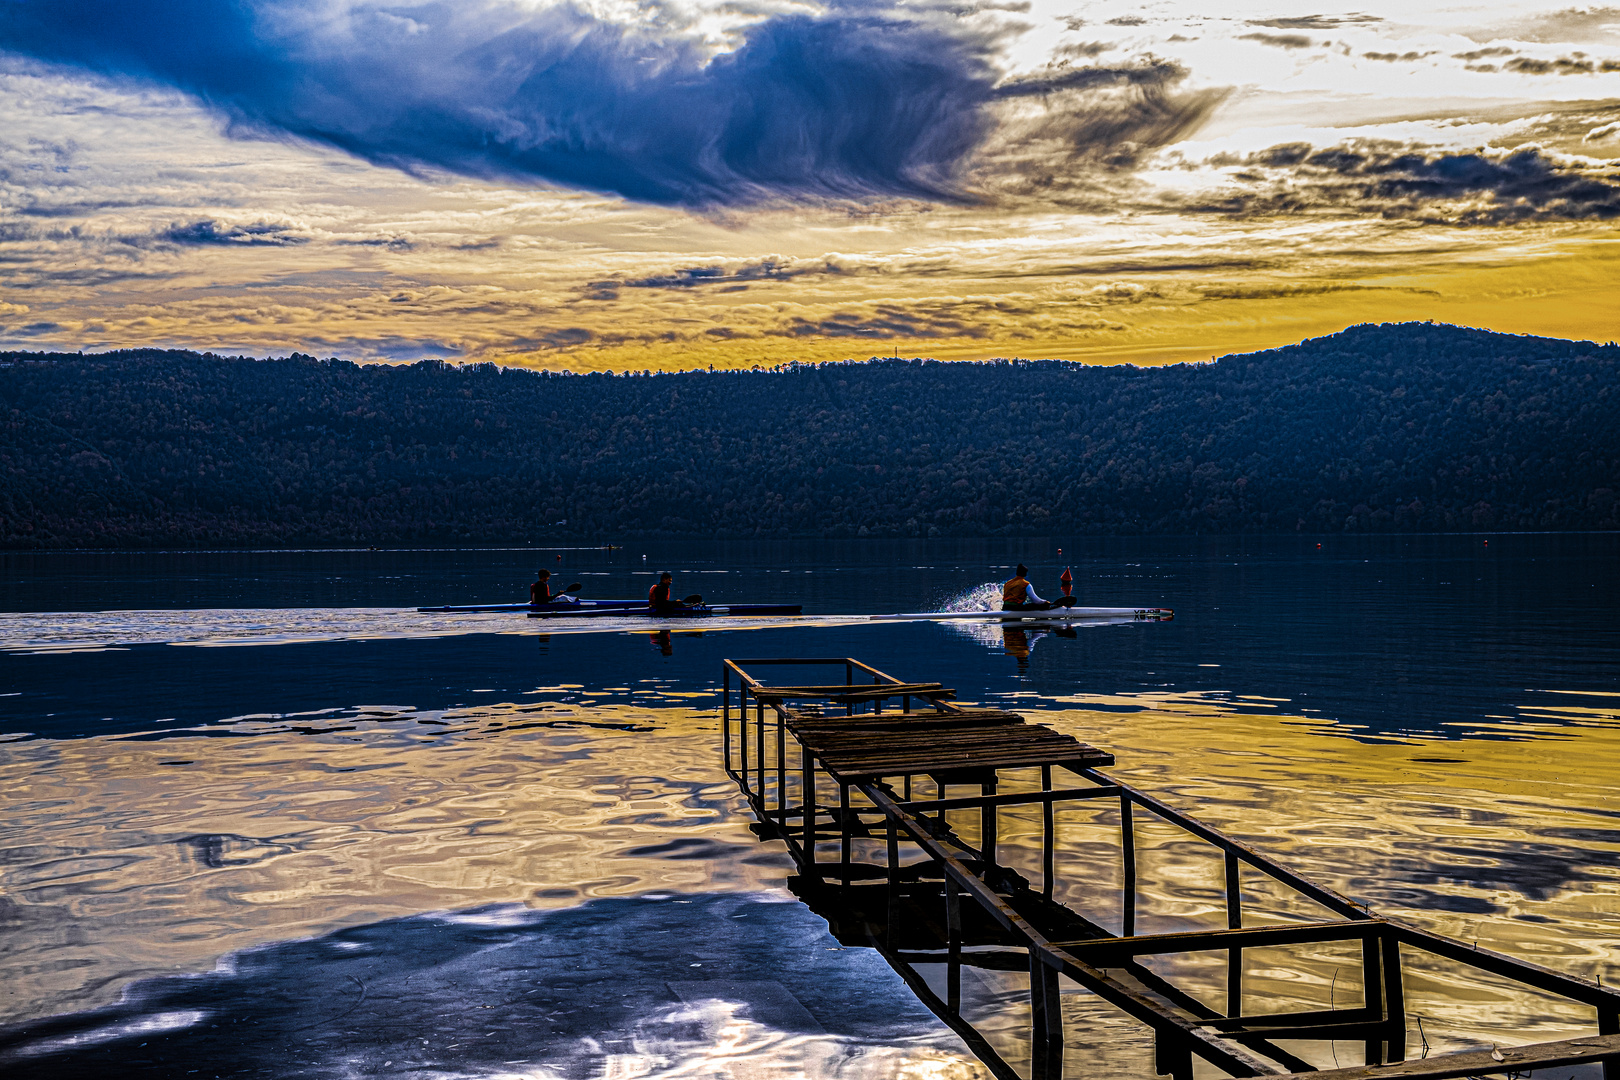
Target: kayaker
540	591
658	598
1019	595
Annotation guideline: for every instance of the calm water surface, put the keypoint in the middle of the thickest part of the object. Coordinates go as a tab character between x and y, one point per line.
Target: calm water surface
264	820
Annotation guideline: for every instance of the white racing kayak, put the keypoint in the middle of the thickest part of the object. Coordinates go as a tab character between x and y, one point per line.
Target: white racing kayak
1057	614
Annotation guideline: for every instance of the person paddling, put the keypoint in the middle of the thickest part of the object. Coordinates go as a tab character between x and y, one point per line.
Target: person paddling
659	601
540	591
1019	595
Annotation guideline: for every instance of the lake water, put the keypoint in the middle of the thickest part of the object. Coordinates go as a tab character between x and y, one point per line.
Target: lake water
265	820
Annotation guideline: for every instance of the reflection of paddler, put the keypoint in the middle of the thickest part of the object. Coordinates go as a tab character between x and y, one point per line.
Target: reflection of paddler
1015	643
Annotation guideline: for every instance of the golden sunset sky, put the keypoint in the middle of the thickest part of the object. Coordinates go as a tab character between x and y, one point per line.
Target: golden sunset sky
669	185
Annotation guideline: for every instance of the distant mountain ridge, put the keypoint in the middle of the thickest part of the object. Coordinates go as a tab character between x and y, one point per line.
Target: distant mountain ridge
1381	427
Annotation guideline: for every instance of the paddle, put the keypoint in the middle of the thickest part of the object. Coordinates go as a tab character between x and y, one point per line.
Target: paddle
695	598
573	587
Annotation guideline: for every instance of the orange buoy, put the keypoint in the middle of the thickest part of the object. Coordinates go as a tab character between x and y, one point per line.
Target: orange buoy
1067	581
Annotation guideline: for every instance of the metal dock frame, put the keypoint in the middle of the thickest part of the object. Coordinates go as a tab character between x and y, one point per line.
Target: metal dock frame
1107	964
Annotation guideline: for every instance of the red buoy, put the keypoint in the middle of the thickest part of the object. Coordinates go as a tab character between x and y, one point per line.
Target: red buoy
1067	581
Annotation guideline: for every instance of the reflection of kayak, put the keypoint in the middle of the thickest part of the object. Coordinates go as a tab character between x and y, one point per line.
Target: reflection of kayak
1057	614
698	611
574	608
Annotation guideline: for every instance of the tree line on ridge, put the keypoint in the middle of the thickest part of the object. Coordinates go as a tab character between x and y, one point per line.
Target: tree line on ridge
1394	427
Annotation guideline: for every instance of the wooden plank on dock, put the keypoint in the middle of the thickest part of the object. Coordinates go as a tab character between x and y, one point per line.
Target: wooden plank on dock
946	760
1505	1059
855	692
797	721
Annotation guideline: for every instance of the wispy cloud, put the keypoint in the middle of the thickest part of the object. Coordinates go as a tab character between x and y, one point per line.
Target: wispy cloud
1314	22
1562	65
1574	25
1397	58
1484	187
259	233
1279	41
723	275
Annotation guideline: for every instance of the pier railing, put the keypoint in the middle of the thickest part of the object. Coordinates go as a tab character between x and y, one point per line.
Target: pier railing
854	781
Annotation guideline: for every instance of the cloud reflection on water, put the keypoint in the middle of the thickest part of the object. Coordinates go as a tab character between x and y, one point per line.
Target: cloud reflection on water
659	985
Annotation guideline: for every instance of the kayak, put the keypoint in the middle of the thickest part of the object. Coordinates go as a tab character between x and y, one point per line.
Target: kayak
700	611
1058	614
573	608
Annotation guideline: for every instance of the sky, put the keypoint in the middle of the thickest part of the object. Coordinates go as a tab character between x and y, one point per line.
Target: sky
668	184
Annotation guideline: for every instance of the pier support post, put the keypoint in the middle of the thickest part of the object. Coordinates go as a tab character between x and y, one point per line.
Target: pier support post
1394	1001
892	910
1127	839
1046	1021
759	749
844	839
1048	834
1609	1024
1234	921
1372	979
953	946
742	741
807	799
781	771
1171	1055
987	823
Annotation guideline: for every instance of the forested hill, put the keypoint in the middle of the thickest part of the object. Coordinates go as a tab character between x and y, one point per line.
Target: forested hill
1386	427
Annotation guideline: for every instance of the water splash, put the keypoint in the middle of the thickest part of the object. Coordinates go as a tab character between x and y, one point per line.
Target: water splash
985	597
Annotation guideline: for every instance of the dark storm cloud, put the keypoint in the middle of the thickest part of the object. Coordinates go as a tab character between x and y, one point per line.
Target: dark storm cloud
259	234
1563	65
1395	58
1084	50
730	278
889	321
1151	73
1313	22
1485	187
857	102
1279	41
973	319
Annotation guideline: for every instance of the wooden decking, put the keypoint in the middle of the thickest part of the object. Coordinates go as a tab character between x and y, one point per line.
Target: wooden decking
852	782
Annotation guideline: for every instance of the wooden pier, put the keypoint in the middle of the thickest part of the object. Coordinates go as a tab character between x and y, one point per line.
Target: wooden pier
899	773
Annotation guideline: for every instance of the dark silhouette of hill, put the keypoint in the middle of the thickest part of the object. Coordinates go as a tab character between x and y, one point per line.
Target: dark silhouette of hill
1381	427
